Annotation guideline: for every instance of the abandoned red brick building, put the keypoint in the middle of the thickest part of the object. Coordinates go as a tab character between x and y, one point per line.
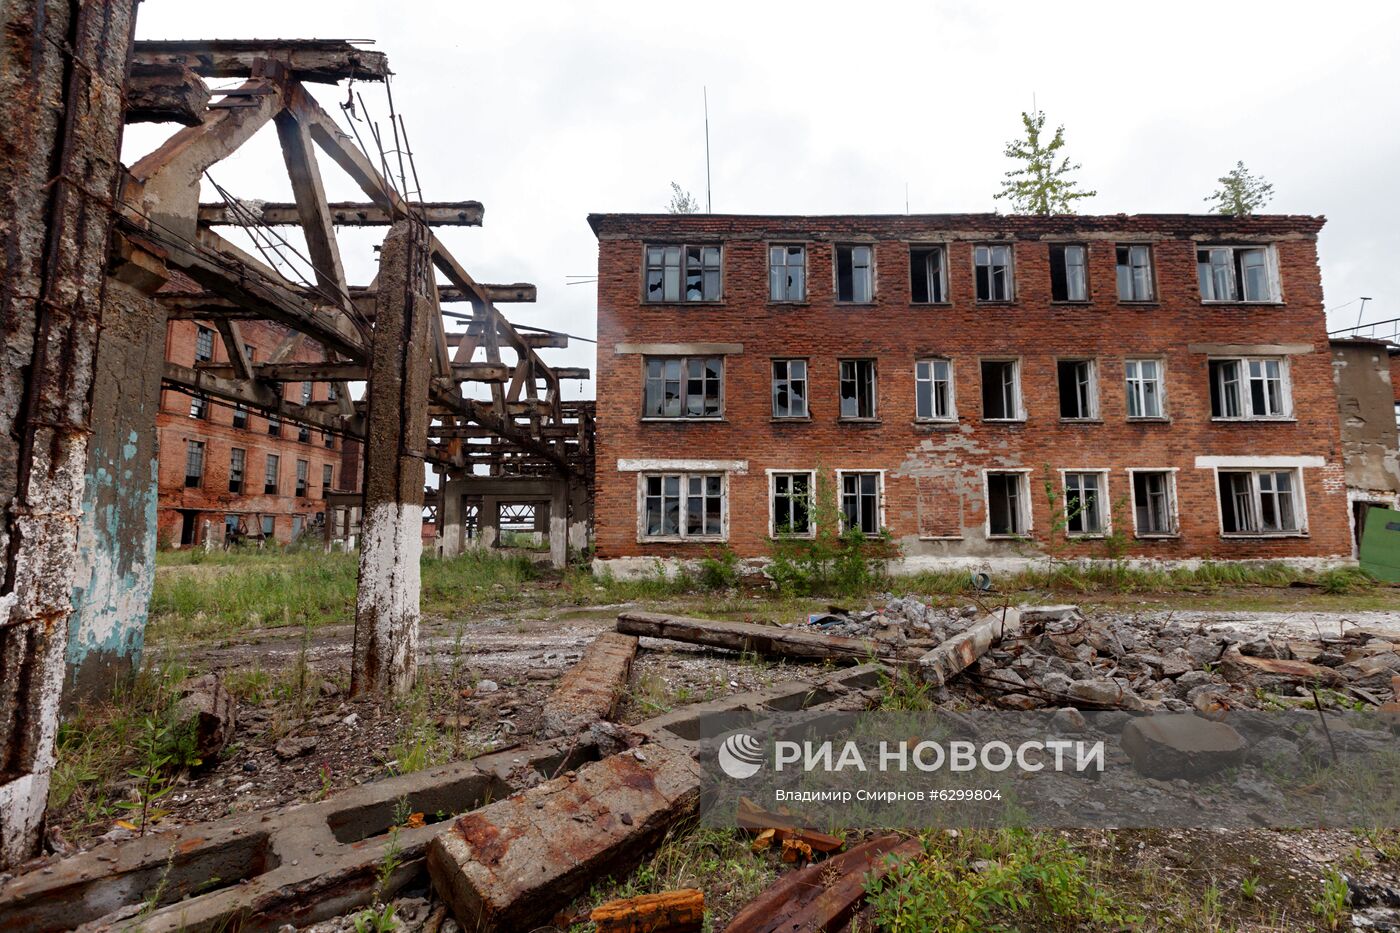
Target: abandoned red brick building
986	388
224	468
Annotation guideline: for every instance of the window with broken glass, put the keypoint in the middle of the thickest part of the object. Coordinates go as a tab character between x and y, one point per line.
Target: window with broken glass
1006	505
1249	388
199	407
684	505
1153	511
302	468
1069	272
855	274
270	476
203	345
194	464
927	275
1259	502
858	389
1078	392
933	390
1001	390
789	388
682	273
240	415
236	461
1135	273
274	425
1144	388
1236	273
327	477
792	504
860	502
1085	514
787	273
992	265
683	387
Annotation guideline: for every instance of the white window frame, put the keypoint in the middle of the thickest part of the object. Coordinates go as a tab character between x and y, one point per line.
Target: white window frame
1300	503
811	507
1246	396
806	387
879	496
1103	503
941	250
1020	396
1027	513
1010	272
1093	365
1131	386
934	418
1084	258
874	388
1172	502
1151	273
1236	286
682	519
836	274
787	299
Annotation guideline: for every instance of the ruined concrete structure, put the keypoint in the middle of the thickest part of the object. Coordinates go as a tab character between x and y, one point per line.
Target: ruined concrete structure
1365	371
985	388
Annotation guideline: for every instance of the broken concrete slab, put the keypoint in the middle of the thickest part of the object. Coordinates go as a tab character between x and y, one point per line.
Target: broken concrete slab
769	640
1270	672
590	691
512	864
957	653
1181	745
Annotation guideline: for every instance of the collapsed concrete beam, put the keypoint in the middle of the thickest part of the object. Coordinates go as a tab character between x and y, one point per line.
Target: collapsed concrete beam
317	60
590	690
165	94
343	214
513	864
769	640
961	651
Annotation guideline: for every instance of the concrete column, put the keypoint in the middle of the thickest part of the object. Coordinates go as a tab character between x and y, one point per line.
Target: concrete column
386	612
450	517
62	63
117	532
488	522
559	523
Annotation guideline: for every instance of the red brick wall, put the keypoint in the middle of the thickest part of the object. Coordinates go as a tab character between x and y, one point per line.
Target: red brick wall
213	499
1031	328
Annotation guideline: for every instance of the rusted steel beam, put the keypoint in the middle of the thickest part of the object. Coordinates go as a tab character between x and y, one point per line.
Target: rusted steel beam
343	214
256	395
165	94
317	60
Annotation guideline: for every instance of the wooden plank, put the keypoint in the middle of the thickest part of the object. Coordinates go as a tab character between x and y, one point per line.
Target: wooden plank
316	60
300	157
292	372
165	94
770	640
237	349
680	911
481	372
259	396
346	214
957	653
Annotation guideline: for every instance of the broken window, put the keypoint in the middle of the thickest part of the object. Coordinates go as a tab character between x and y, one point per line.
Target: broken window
666	265
268	525
199	407
1144	388
328	440
933	390
240	415
858	389
860	502
194	464
1259	502
274	425
1153	510
327	476
787	273
1235	273
686	505
1069	272
1134	273
792	503
1249	387
306	393
789	388
1078	391
993	267
302	468
203	345
231	525
236	461
683	387
304	434
1084	504
1006	505
270	477
332	395
926	275
298	524
1001	390
854	274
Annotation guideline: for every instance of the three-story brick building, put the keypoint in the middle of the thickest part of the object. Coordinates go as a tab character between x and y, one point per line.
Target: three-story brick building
984	388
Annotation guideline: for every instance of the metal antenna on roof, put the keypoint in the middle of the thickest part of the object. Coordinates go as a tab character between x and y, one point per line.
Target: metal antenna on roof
1362	313
708	208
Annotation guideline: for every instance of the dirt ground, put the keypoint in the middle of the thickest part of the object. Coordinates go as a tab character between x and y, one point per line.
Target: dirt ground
484	678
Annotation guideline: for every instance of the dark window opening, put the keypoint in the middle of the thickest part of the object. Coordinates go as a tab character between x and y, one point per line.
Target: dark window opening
1076	389
1134	273
926	275
1152	506
1005	508
1000	390
860	502
792	503
854	282
236	463
789	388
993	267
194	464
1069	278
858	389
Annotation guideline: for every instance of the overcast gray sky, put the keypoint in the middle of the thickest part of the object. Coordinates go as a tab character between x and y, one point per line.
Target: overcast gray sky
548	111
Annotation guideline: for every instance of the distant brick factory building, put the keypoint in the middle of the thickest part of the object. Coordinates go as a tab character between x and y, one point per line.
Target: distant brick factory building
226	472
987	388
